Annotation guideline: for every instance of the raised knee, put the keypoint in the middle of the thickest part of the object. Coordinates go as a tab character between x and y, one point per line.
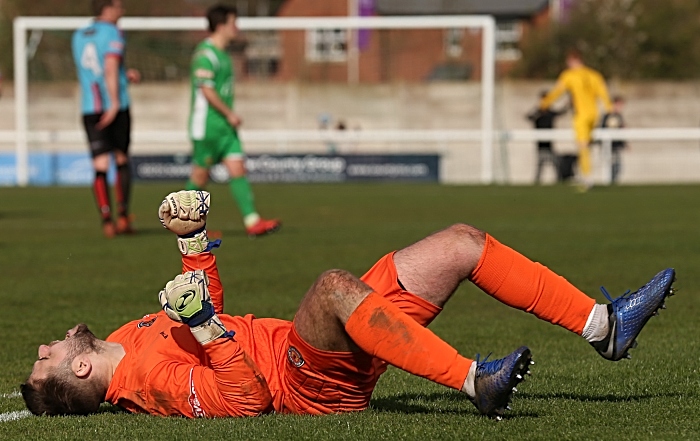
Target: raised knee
466	234
466	243
335	278
337	285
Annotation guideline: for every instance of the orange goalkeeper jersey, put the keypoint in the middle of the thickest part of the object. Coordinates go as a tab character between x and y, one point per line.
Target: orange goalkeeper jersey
167	372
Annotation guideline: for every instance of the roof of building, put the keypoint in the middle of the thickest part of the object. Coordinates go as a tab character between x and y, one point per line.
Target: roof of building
498	8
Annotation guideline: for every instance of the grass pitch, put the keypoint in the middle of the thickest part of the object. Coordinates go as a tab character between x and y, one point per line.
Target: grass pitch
60	271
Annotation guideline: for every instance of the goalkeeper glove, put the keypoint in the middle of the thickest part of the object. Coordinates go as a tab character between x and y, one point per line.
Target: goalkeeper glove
185	214
186	299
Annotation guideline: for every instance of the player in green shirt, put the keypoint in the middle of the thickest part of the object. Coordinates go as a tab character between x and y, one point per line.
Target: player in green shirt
213	125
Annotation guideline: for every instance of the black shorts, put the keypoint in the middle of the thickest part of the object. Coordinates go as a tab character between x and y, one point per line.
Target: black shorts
115	136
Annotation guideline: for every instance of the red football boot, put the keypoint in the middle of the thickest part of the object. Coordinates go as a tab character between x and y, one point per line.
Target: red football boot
108	229
263	227
124	226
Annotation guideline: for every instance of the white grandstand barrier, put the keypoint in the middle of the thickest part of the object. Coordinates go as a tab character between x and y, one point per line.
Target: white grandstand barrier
486	23
646	134
375	136
606	137
273	138
262	136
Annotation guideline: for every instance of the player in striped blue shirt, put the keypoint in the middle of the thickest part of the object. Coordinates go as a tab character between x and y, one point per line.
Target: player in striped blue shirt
98	52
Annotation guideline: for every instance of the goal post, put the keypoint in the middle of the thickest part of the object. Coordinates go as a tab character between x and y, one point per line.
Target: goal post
486	24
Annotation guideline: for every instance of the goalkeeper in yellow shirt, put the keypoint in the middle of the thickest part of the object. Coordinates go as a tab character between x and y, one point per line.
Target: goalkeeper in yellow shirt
586	86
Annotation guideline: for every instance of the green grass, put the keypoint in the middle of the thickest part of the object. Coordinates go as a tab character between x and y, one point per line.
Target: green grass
59	271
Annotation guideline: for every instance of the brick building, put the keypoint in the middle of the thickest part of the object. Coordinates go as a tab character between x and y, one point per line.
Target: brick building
400	55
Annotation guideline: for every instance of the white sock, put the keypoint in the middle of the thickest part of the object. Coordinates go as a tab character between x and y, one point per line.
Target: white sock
251	220
596	328
468	386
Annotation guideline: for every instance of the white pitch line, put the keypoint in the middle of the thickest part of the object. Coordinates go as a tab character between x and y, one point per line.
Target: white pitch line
14	416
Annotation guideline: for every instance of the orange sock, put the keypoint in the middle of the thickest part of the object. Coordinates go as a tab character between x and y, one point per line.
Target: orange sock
521	283
381	329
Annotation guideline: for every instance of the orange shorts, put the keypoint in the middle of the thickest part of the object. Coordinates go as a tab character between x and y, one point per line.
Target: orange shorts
321	382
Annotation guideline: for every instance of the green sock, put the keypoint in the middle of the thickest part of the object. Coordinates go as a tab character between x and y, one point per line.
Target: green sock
191	186
240	188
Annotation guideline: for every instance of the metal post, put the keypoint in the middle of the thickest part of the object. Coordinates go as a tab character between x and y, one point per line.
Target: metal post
353	63
488	78
21	95
606	160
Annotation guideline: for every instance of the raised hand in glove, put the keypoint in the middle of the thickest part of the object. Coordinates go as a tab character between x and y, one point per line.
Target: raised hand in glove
186	299
185	214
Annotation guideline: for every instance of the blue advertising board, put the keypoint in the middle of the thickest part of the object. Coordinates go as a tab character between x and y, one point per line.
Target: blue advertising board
47	168
75	169
302	168
41	169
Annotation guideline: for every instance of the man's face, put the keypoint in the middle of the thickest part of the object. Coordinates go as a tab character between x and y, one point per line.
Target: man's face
572	61
230	27
114	12
78	340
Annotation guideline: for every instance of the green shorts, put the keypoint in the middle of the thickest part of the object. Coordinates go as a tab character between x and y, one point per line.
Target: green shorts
209	152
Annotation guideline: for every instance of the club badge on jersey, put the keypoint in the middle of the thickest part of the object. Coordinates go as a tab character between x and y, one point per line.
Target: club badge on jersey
294	357
146	323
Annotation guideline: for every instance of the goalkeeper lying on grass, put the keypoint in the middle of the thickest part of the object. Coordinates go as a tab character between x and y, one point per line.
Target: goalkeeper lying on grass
193	360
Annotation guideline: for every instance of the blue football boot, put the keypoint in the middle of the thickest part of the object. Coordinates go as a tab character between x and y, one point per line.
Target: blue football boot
495	381
628	314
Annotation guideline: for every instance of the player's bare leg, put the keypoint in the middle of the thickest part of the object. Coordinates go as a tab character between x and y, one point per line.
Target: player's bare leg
243	194
326	307
235	166
199	177
433	268
341	313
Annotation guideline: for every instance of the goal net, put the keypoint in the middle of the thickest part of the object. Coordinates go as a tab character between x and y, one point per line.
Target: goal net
311	88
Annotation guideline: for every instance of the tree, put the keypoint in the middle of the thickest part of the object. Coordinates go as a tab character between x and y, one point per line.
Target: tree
624	39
